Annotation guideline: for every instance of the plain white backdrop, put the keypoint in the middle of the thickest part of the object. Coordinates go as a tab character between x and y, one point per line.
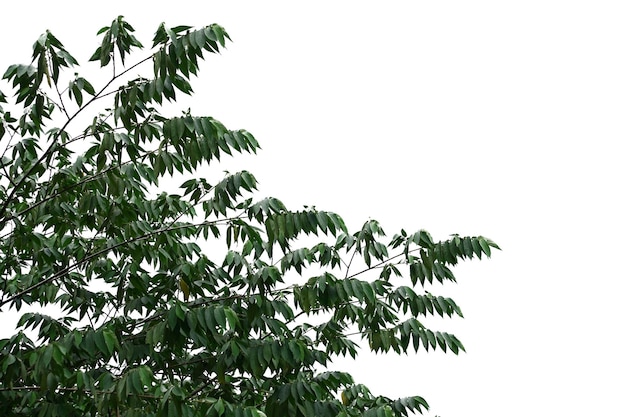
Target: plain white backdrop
500	118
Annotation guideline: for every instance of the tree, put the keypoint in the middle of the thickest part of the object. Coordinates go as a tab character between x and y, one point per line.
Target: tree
142	302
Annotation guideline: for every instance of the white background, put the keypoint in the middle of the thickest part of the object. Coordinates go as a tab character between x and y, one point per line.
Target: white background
500	118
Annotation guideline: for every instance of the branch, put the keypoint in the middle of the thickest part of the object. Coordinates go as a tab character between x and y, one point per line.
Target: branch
350	263
88	258
381	263
74	389
62	105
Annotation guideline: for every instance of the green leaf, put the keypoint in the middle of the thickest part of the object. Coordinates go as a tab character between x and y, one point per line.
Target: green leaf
110	340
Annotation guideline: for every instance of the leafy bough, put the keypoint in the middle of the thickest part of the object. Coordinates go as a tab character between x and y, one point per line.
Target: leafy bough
199	303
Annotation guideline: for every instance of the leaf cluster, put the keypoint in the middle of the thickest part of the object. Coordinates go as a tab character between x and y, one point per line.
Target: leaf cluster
139	301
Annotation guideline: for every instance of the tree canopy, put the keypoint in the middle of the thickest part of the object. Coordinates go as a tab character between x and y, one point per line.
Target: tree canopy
140	299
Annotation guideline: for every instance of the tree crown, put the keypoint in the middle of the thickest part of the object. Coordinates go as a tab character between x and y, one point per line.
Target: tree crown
146	319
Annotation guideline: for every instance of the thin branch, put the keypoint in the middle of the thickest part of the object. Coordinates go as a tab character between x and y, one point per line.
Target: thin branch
350	263
62	105
198	390
75	389
88	258
381	263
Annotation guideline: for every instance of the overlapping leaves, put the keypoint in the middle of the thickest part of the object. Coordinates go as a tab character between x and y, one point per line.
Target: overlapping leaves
203	302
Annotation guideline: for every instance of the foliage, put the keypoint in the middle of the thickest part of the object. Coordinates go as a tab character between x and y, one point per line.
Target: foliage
136	301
